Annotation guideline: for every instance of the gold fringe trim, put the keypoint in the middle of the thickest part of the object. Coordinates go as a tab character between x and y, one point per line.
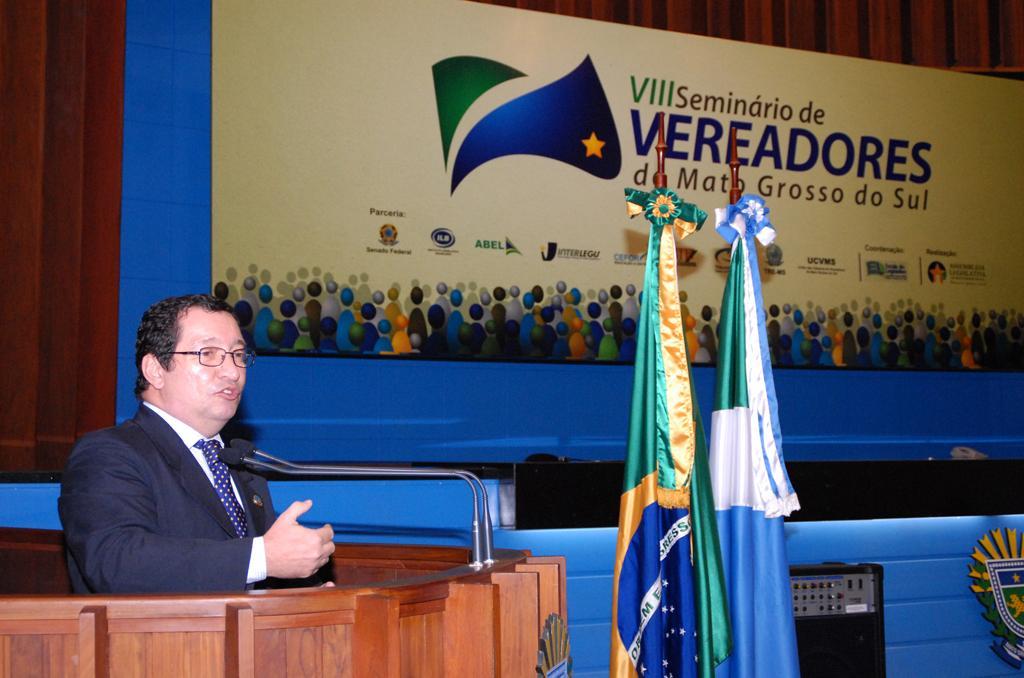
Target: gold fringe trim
674	498
681	429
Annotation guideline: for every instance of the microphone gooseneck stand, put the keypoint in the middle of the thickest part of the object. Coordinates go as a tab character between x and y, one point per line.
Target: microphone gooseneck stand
244	452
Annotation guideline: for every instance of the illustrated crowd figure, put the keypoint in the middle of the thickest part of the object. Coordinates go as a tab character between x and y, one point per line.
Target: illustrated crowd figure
312	312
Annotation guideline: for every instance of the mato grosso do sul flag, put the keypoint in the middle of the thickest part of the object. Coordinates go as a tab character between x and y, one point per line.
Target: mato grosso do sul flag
669	612
751	488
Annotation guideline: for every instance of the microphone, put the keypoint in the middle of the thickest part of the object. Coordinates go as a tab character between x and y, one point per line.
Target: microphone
243	453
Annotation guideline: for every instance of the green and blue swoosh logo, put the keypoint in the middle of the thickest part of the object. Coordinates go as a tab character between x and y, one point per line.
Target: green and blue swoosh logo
567	120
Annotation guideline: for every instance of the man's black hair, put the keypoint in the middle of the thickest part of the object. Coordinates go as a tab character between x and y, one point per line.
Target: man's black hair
159	329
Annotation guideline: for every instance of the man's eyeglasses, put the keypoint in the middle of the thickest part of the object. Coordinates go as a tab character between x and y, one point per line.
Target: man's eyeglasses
212	356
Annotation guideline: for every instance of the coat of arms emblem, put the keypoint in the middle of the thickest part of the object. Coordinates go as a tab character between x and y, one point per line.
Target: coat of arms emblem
997	574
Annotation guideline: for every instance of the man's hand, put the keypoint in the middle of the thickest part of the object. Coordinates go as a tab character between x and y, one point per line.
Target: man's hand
294	551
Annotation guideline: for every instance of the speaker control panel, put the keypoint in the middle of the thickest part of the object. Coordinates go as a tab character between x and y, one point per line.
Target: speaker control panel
822	595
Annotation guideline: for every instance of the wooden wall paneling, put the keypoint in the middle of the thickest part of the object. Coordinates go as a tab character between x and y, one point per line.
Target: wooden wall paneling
61	657
93	642
26	654
422	645
519	614
550	571
22	125
977	35
433	637
61	98
302	646
621	10
572	8
646	13
928	32
537	5
758	22
779	23
271	653
972	43
128	655
32	561
337	650
885	30
844	23
1011	34
375	639
725	19
167	653
466	639
804	19
205	654
602	10
687	16
455	621
62	233
101	215
239	641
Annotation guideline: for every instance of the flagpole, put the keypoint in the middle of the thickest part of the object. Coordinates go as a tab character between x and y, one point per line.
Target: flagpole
752	492
660	178
734	169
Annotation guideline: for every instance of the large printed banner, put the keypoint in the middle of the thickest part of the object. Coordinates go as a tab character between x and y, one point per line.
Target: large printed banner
447	179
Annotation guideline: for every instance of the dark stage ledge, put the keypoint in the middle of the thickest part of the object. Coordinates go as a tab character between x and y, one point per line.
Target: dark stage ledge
586	494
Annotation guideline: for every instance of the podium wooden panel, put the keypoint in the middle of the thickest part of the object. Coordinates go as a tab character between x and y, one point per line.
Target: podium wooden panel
397	611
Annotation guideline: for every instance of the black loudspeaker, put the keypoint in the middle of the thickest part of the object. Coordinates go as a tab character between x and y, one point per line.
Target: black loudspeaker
840	630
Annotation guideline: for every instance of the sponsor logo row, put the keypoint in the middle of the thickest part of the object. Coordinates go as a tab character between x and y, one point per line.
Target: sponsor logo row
927	270
443	241
878	264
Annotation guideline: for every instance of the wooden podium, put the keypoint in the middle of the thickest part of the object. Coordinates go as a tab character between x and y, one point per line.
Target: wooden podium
416	611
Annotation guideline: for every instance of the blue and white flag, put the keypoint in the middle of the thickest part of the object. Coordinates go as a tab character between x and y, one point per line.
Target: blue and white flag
751	488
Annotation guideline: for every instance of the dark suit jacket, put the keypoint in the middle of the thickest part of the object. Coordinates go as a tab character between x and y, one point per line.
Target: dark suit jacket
140	516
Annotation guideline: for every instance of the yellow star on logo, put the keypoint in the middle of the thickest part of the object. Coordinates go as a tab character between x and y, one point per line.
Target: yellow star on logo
593	144
1016	578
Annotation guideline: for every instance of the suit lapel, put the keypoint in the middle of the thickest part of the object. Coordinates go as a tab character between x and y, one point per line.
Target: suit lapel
190	474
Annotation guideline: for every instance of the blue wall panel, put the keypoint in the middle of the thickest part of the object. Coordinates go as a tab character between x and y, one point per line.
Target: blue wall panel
31	505
165	226
439	411
430	410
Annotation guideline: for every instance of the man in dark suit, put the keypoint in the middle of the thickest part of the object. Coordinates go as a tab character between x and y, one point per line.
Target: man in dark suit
147	506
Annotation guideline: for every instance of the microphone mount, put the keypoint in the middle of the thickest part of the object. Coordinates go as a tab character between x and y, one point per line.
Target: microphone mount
244	452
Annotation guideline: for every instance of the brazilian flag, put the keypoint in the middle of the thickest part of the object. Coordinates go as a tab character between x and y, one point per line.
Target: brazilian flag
669	610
